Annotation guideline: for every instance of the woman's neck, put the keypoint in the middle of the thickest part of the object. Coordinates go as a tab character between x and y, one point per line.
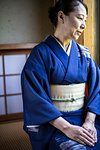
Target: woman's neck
64	41
59	34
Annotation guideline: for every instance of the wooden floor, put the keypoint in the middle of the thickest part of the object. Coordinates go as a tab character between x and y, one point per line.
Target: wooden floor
13	137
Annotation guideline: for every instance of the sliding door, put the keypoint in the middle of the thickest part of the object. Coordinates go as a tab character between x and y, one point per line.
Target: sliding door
11	64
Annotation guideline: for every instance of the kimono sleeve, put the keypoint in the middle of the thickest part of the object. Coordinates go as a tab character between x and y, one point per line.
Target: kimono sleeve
37	104
93	99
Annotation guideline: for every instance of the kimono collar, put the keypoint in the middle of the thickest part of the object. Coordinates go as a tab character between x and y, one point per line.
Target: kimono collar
57	49
65	48
72	70
72	64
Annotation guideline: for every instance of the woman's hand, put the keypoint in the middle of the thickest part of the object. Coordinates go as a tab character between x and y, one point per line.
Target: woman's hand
74	132
80	135
90	127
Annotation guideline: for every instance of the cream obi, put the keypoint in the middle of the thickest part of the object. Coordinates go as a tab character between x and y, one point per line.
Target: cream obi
68	97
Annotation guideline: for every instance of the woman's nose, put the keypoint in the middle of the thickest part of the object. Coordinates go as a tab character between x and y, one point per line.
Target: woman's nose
83	25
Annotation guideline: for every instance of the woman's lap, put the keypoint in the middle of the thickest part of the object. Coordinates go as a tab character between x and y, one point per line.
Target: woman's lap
60	142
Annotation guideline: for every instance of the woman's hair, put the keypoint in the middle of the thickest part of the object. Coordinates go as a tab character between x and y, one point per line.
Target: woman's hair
66	6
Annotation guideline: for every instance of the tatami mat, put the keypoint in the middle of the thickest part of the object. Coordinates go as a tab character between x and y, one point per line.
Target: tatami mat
13	137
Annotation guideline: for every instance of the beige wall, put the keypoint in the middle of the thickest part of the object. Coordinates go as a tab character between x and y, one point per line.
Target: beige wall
24	21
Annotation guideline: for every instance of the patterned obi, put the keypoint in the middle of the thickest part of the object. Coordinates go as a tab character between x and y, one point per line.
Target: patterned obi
68	97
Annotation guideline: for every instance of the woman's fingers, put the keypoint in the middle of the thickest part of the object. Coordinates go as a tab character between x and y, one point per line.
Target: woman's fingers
93	132
88	134
81	135
85	138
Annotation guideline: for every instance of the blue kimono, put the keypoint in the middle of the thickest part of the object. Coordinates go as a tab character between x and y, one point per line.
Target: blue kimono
49	64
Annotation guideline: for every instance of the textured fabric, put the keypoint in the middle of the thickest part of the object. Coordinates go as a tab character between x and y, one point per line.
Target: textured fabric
68	97
67	106
49	64
72	145
66	145
69	92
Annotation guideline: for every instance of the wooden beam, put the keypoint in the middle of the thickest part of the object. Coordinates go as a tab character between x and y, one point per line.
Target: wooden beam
17	46
10	117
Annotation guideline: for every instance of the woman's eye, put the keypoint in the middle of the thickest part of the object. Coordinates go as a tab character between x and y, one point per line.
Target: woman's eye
80	18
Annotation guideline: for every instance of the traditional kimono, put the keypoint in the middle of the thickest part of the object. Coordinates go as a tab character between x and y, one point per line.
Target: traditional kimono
49	64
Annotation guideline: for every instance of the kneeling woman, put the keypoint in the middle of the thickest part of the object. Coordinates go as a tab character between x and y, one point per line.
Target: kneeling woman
57	114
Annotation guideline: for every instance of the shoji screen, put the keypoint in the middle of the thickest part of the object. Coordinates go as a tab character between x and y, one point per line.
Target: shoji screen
11	64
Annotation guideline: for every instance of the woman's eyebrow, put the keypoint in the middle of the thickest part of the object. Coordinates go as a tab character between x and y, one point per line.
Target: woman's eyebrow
84	16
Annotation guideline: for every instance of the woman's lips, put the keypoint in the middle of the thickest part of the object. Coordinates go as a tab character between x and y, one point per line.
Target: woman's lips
79	32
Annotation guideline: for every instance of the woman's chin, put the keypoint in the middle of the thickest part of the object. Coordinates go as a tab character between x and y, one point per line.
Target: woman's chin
76	38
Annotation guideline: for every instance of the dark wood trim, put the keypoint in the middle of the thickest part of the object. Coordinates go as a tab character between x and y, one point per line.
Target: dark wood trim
4	80
17	74
17	46
15	51
15	94
9	117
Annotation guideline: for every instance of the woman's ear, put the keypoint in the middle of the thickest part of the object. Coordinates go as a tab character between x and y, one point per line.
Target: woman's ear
61	17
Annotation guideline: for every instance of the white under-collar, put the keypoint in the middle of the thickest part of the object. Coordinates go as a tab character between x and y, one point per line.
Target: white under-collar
64	48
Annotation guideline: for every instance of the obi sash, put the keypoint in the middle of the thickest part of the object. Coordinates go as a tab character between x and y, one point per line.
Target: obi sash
68	97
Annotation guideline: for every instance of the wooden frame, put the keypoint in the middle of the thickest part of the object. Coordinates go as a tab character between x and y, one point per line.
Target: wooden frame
19	46
12	49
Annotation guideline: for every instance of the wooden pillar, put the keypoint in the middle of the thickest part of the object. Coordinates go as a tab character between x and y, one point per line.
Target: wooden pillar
90	31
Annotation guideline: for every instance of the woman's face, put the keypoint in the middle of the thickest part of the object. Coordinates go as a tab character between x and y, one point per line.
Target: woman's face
75	23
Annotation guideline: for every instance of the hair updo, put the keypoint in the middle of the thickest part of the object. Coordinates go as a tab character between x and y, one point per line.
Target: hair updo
66	6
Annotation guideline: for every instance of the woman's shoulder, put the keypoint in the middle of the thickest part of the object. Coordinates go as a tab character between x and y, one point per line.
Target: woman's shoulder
40	54
84	50
41	47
